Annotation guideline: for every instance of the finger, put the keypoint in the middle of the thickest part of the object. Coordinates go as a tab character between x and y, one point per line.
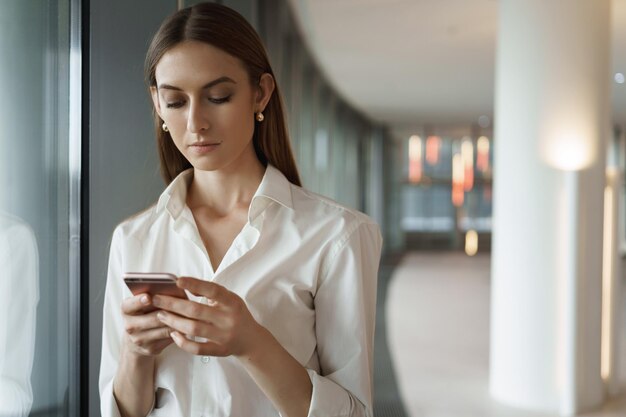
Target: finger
196	348
149	337
157	347
189	326
142	322
136	304
201	288
154	348
190	309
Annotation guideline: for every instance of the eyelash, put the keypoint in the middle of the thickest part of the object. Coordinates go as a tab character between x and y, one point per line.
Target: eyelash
178	104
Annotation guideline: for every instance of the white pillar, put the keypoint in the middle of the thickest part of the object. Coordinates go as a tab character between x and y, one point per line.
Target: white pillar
552	110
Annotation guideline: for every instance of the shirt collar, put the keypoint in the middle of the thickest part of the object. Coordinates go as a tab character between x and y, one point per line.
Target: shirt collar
274	186
174	198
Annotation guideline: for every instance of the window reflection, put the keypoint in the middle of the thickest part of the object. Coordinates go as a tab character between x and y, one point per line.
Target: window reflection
34	214
19	295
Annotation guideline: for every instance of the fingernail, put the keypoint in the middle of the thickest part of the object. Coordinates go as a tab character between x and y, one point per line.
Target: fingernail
175	336
160	316
144	299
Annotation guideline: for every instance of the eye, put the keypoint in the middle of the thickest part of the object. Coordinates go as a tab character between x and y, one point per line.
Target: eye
219	100
174	104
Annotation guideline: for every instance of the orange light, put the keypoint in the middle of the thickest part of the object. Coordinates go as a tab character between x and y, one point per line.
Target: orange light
415	158
458	196
433	146
467	152
458	180
482	154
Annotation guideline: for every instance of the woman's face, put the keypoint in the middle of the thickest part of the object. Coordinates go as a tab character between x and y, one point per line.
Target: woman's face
205	97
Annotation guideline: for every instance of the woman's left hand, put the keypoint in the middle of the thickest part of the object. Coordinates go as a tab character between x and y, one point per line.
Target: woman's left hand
224	322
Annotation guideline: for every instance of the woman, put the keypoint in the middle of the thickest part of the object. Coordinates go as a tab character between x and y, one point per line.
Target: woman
281	281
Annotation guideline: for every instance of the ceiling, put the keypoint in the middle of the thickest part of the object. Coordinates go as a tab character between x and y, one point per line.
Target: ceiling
408	63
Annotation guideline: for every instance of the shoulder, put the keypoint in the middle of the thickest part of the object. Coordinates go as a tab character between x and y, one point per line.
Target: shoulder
137	225
317	210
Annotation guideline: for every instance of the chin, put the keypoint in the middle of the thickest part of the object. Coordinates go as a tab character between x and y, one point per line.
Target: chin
205	166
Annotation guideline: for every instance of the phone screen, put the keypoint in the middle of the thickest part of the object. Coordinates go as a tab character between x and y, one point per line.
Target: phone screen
153	283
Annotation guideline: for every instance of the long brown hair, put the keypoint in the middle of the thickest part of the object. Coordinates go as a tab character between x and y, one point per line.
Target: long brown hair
227	30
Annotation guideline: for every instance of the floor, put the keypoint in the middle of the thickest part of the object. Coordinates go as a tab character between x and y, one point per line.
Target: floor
437	317
387	401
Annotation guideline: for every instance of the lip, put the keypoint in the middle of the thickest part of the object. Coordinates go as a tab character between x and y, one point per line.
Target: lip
204	147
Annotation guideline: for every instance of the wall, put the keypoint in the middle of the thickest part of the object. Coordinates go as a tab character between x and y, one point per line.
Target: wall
123	164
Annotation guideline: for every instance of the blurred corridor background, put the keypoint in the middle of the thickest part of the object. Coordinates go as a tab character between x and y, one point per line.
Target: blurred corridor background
487	138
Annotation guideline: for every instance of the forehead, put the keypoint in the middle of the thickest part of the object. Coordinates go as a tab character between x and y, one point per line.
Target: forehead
191	62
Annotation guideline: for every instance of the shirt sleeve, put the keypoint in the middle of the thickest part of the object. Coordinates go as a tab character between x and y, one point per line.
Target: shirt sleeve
19	295
345	310
113	322
112	325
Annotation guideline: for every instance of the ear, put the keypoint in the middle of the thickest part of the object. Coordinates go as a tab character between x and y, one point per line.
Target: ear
154	93
264	92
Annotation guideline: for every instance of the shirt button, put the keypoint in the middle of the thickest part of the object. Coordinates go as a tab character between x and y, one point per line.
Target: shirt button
205	359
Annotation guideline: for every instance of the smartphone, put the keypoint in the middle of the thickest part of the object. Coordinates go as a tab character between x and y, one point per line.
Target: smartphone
153	283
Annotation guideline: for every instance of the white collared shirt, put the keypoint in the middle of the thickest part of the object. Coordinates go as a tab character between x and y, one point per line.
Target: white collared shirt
306	268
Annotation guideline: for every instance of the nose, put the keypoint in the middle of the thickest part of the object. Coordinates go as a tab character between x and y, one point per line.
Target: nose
197	119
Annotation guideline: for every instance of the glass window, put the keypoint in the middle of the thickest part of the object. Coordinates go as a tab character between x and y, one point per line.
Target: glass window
34	213
447	188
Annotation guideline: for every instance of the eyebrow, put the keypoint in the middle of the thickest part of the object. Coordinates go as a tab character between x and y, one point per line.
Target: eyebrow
207	85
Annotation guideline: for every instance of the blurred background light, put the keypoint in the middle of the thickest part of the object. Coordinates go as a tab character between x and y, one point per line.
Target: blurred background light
471	242
458	180
433	147
415	159
482	154
467	152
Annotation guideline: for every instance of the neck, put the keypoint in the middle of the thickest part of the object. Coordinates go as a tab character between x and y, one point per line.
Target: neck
227	189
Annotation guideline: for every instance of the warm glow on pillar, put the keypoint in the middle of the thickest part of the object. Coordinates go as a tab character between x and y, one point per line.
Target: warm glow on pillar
433	146
482	154
471	242
467	152
569	150
607	284
458	180
415	158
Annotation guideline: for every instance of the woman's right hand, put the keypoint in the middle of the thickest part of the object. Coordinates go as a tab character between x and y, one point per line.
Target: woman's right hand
144	334
144	338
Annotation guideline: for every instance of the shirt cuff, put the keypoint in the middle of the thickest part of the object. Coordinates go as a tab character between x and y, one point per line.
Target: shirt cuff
108	405
330	399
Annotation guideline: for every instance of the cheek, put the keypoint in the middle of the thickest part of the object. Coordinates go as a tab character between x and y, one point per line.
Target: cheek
175	120
237	121
177	126
178	143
